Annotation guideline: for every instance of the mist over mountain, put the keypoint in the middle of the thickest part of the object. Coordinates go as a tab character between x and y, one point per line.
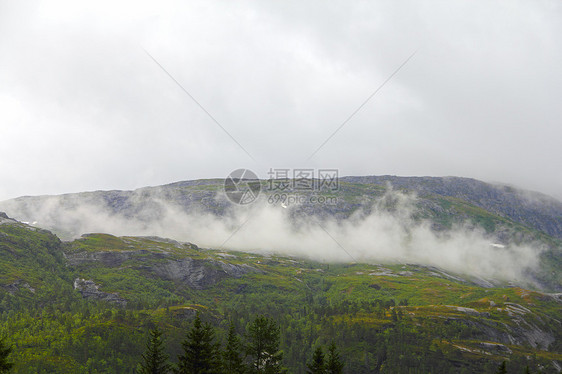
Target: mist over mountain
226	271
534	209
463	225
469	271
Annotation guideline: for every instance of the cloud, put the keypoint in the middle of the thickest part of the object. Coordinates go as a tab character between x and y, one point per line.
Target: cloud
382	232
83	108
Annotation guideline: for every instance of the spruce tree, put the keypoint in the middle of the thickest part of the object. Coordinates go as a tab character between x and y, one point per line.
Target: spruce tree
334	365
154	360
5	364
263	346
502	369
201	353
317	365
232	361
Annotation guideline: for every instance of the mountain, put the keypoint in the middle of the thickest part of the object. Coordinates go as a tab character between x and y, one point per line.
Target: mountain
86	306
483	219
405	274
533	209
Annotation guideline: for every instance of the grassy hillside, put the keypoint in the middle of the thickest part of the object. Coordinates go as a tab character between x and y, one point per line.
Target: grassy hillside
388	318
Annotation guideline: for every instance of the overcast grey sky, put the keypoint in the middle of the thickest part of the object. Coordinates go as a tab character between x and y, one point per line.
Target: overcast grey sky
83	107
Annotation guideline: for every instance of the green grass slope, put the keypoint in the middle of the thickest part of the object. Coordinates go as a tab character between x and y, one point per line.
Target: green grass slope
385	318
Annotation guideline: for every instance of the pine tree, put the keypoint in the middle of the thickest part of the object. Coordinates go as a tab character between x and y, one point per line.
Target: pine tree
502	369
232	360
5	364
263	346
201	353
154	360
333	362
317	365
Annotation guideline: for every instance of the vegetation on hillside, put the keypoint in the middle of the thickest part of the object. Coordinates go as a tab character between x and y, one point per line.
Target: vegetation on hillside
390	318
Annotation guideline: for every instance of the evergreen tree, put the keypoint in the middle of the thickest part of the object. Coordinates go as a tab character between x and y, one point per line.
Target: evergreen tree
232	360
201	353
333	362
317	365
502	369
154	360
263	346
5	364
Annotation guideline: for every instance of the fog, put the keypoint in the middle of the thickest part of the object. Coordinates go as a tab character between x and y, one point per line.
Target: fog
383	231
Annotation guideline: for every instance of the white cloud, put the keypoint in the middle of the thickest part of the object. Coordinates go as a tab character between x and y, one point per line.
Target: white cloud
84	108
375	234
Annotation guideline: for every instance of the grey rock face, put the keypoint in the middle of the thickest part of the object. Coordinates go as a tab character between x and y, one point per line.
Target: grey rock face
521	332
4	219
496	348
525	327
196	273
199	274
110	259
18	285
89	290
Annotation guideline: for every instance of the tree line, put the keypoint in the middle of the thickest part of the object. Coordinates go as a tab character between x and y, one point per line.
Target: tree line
257	351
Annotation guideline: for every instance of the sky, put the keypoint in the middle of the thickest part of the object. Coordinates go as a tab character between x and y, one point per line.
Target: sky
121	95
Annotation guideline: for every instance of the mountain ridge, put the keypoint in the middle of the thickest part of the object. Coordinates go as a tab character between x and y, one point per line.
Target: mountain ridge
537	208
504	214
534	209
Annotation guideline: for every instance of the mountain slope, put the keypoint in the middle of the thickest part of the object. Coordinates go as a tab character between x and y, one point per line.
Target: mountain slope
533	209
91	307
31	261
450	205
